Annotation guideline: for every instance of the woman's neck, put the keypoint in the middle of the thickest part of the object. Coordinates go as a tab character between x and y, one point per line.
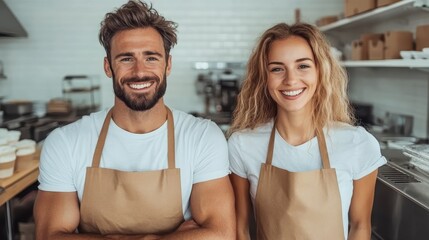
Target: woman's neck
295	128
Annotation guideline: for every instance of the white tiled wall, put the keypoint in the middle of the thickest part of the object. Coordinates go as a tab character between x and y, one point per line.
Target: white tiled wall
63	40
394	90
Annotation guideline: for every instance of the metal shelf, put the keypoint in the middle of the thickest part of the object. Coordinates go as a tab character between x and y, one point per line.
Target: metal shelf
376	15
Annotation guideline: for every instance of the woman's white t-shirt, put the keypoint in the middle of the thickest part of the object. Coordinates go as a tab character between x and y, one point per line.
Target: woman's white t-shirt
353	152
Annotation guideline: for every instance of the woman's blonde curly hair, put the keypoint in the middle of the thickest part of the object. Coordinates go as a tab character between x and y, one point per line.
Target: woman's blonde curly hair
255	105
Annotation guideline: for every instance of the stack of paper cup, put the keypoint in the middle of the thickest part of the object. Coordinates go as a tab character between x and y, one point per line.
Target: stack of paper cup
13	136
7	161
3	141
3	132
3	137
25	150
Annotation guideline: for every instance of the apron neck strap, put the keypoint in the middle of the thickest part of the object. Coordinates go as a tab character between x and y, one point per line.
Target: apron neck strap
323	149
102	139
171	144
320	140
269	159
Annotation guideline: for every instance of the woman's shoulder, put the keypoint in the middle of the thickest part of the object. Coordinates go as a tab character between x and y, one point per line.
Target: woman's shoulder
248	133
348	134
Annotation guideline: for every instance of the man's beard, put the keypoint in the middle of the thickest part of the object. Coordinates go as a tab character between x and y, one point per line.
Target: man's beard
140	102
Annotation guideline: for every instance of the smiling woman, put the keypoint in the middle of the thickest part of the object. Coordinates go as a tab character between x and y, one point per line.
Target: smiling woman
292	74
292	145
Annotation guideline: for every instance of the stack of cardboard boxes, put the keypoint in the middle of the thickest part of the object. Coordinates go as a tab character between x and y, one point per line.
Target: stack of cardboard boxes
389	44
354	7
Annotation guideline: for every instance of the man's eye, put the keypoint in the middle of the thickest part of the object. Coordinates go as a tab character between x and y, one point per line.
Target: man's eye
152	59
127	59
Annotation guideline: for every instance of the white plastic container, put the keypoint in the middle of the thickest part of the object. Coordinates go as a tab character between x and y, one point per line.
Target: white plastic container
7	161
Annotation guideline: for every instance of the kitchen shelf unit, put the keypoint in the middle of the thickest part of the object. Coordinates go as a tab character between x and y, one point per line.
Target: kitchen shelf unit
403	15
391	11
420	64
377	15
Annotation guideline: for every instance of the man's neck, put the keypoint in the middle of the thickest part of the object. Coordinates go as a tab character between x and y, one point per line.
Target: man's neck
139	121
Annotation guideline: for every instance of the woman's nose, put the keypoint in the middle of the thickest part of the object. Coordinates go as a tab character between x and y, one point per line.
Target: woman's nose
290	77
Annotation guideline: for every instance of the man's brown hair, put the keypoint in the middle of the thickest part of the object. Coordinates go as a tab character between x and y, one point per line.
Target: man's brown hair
136	14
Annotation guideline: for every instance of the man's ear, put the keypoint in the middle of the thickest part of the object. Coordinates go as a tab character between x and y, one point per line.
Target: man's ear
107	68
168	70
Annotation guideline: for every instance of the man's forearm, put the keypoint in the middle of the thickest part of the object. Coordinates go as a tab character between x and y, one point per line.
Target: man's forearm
199	233
84	236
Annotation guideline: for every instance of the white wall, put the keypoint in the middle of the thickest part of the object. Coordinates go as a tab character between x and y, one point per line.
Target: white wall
63	40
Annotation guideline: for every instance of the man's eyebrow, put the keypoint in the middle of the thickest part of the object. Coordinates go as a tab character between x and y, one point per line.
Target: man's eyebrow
146	53
124	54
149	53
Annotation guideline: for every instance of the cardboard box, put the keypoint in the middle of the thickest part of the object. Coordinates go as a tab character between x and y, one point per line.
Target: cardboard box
360	48
422	37
396	41
376	49
354	7
381	3
357	50
326	20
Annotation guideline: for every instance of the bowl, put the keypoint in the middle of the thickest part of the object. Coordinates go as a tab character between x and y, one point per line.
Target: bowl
407	54
421	55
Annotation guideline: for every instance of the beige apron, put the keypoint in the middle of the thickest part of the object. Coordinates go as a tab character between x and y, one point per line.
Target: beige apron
298	205
119	202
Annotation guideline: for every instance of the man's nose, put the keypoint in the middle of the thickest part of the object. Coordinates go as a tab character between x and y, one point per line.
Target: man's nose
139	68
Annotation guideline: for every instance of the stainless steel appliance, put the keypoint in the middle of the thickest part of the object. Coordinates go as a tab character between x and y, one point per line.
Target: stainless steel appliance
227	95
219	86
401	203
9	24
83	92
30	126
17	108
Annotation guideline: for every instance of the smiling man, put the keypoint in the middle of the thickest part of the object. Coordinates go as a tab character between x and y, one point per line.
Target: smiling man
137	170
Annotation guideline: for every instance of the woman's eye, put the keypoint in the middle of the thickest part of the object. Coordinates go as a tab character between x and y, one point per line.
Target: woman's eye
275	70
303	66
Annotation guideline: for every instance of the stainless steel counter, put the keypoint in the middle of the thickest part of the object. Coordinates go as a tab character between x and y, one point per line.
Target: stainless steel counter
401	203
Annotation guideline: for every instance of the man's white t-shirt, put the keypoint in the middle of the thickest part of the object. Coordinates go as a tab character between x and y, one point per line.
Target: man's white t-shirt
353	152
201	153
